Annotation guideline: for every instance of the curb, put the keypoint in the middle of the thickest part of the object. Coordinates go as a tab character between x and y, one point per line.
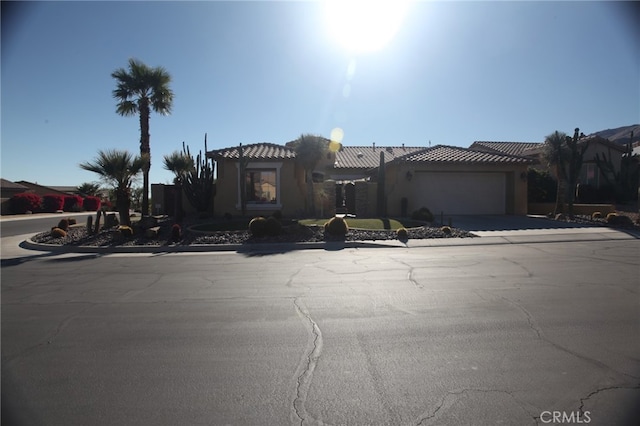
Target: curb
337	245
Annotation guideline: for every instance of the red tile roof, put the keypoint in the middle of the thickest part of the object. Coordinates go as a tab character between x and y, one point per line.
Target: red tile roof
366	157
258	151
455	154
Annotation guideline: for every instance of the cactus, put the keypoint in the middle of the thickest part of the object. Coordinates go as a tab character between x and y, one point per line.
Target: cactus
198	184
96	228
90	224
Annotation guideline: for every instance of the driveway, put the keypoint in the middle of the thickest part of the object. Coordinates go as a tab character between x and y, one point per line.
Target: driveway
510	223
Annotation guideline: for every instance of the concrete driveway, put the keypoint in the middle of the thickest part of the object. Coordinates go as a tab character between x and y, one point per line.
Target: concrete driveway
509	223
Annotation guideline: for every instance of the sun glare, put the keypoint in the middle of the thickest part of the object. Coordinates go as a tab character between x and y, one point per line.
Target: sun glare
362	26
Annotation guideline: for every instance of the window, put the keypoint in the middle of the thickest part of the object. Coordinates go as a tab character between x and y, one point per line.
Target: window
262	182
261	186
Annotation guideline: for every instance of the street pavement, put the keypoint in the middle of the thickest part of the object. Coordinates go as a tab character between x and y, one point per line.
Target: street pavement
512	333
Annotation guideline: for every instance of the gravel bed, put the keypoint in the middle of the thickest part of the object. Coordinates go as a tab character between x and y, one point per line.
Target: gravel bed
78	236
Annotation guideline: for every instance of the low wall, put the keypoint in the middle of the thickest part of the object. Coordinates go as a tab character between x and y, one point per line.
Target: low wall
585	209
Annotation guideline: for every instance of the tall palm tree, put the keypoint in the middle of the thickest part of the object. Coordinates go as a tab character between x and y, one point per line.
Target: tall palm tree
309	151
556	155
138	91
180	164
118	169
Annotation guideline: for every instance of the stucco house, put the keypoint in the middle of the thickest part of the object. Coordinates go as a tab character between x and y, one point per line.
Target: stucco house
590	174
447	179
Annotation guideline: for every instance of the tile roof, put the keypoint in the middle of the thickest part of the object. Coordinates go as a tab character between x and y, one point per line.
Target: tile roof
509	148
366	157
258	151
455	154
7	184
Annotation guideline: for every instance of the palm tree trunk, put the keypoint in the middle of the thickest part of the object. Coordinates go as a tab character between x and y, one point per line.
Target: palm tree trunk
560	193
145	152
310	199
122	205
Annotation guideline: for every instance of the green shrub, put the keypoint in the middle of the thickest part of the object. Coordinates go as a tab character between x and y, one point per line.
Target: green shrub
446	230
72	221
64	224
125	231
336	226
258	226
58	233
423	214
402	234
273	226
596	215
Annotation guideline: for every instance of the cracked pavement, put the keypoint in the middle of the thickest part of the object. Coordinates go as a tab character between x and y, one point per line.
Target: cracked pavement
387	336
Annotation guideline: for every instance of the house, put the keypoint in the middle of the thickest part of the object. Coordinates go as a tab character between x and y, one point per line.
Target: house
597	149
273	180
43	190
446	179
7	190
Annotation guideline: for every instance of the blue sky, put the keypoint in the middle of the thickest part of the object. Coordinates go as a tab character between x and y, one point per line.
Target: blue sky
247	72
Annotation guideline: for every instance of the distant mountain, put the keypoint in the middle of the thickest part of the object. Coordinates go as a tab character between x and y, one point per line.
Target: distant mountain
621	134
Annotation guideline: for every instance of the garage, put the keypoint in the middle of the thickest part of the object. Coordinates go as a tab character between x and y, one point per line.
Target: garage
460	192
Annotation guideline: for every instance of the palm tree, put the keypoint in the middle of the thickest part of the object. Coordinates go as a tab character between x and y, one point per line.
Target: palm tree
555	153
310	149
180	164
89	189
140	90
118	169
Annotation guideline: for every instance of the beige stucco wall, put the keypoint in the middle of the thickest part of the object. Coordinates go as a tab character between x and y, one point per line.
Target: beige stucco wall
291	198
398	187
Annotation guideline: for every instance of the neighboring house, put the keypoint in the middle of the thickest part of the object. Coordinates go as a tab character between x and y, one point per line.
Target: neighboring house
590	174
40	189
7	190
446	179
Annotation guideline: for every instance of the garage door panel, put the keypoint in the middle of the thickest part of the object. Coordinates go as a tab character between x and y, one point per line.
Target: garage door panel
461	193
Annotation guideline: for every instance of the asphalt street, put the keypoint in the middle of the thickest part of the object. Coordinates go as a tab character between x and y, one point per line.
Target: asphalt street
515	334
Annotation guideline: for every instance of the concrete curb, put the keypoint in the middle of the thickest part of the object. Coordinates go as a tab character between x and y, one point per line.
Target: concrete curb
339	245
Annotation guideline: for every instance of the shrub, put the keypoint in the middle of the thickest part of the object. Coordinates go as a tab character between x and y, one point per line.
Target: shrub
423	214
125	231
64	224
51	203
258	226
58	233
337	226
446	230
91	204
596	215
72	221
25	201
402	234
619	220
273	226
176	233
72	203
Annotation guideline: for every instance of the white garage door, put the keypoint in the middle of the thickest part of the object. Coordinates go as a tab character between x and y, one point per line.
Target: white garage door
460	193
